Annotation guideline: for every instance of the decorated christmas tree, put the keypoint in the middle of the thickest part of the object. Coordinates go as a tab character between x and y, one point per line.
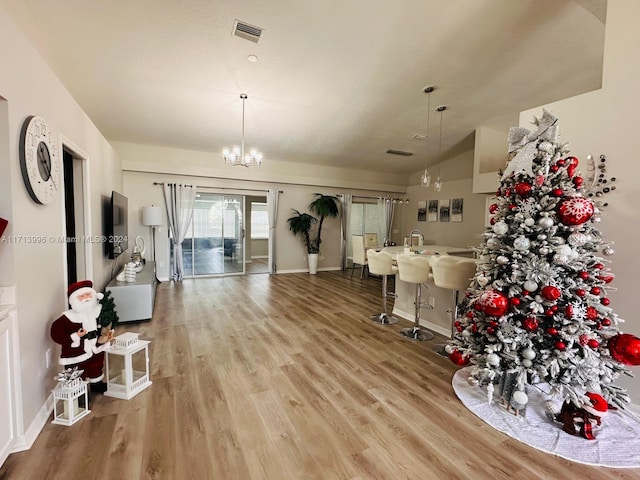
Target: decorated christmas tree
538	311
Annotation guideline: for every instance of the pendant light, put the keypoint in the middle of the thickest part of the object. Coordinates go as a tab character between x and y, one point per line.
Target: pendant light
437	186
236	156
425	180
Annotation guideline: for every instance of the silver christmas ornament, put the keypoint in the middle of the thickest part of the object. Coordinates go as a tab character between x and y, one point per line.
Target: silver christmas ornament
560	259
529	222
545	222
522	243
500	228
528	353
502	260
607	251
473	381
482	280
544	250
577	239
492	243
527	363
542	236
530	286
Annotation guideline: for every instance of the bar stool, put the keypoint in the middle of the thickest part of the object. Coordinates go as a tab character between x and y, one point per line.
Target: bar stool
452	273
415	269
381	263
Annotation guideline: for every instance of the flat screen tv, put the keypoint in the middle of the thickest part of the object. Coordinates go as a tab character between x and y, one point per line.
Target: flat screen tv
117	234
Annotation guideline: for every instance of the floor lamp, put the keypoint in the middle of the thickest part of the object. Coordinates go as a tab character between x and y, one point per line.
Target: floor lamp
152	217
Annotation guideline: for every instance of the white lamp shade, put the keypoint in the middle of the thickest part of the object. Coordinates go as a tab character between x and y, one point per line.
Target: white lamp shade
151	216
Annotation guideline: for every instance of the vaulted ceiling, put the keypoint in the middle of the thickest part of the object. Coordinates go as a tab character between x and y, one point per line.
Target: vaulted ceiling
335	83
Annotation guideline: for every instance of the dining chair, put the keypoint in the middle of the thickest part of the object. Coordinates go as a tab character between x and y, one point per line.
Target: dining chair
359	255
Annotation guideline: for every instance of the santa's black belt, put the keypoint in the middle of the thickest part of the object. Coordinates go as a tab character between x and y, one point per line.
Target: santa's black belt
91	335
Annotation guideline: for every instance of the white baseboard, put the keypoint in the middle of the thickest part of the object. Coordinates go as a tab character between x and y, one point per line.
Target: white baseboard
25	442
306	270
423	323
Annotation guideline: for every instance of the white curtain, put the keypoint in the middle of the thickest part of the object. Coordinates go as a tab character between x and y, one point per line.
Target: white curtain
386	209
345	220
179	201
272	212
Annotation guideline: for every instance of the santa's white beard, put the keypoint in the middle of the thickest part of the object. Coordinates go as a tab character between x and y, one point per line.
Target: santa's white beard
90	307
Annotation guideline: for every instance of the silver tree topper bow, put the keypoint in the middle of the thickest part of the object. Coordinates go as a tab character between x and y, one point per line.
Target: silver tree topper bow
525	142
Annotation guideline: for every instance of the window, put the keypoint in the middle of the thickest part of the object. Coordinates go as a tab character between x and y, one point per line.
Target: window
364	219
259	221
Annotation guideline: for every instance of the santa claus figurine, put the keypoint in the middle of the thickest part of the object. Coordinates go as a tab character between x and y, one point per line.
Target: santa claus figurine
78	332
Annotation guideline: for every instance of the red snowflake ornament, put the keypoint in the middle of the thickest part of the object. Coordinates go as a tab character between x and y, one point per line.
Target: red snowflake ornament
494	303
575	210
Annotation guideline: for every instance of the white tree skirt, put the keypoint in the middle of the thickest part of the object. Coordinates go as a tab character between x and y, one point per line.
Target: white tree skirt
617	442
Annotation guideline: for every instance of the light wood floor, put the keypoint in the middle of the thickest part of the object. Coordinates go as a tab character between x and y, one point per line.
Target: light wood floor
285	377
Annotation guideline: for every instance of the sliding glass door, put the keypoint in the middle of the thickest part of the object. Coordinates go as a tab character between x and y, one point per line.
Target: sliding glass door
215	244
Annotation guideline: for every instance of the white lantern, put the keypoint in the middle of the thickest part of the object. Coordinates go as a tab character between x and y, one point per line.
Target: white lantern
70	402
127	366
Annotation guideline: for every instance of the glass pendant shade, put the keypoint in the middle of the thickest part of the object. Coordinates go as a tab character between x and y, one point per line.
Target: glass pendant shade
437	186
426	178
236	155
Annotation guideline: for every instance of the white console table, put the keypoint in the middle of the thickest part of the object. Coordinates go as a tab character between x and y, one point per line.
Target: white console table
134	300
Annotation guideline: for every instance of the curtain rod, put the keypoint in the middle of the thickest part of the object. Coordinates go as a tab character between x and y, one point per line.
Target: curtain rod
226	188
262	181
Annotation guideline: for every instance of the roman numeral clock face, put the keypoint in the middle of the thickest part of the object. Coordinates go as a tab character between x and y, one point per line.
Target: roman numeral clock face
39	161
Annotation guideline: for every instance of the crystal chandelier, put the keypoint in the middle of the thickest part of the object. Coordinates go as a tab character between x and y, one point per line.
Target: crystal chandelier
236	155
425	180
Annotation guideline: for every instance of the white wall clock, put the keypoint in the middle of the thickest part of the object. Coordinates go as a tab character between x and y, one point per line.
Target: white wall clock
39	161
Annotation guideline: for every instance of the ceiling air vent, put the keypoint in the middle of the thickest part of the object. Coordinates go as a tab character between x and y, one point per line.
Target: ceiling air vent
246	31
399	152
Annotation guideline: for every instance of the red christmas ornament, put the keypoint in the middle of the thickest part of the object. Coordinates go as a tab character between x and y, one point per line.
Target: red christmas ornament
578	181
575	210
605	301
469	314
560	162
492	221
530	324
552	331
514	301
491	330
572	165
493	208
474	328
606	322
459	359
595	290
605	278
549	313
568	311
560	345
584	275
551	293
494	303
554	168
625	348
592	313
598	266
556	192
580	292
593	343
523	188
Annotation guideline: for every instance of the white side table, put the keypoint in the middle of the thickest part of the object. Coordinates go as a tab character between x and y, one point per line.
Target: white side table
127	366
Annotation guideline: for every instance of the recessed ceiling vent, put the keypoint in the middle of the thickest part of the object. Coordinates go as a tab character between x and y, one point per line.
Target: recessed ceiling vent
246	31
399	152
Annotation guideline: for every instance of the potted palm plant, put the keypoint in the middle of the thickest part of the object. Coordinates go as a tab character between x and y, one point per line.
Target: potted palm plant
303	224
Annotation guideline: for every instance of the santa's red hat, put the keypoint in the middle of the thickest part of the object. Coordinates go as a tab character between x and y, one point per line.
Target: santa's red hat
78	288
599	405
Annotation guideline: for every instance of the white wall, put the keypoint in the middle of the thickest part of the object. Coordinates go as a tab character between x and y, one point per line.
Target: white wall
145	165
38	270
604	122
